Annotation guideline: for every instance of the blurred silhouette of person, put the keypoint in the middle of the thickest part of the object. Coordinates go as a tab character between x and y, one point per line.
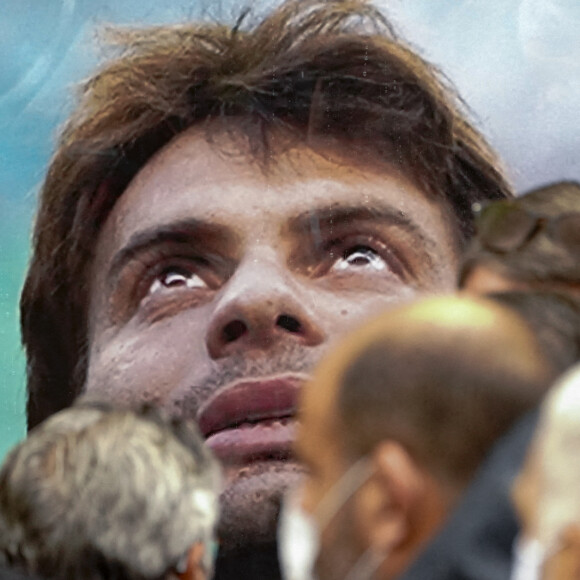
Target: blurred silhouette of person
396	422
477	541
546	491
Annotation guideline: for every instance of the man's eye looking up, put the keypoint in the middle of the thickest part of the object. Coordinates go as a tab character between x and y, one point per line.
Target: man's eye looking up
360	256
176	278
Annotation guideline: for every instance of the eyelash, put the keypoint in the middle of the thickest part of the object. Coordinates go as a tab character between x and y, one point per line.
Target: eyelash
337	248
155	262
159	262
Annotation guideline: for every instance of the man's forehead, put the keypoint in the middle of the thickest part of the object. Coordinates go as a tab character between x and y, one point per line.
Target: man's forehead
275	155
191	161
218	183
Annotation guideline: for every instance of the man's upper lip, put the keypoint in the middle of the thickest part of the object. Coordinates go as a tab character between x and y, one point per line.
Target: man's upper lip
250	401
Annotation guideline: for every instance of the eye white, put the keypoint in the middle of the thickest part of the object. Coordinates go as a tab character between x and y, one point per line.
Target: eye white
175	279
361	258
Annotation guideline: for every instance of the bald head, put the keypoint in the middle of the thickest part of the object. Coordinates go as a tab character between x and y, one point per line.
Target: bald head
445	377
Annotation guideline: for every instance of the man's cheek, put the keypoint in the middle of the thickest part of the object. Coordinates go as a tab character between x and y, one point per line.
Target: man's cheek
130	371
349	311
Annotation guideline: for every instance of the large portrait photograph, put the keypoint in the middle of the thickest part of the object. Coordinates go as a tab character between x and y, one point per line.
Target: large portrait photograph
290	289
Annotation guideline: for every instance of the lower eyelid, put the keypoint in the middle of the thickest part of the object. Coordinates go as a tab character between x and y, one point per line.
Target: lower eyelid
133	286
184	266
179	272
154	307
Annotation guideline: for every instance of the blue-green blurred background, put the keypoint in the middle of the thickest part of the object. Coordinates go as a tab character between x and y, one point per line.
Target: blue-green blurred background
517	63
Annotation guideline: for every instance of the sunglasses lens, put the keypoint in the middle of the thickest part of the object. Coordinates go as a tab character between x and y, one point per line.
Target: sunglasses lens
567	231
504	228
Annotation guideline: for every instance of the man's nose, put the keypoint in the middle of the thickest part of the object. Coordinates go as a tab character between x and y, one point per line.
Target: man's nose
261	306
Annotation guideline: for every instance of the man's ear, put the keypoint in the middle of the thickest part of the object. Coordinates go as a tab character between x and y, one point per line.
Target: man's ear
194	570
564	564
400	486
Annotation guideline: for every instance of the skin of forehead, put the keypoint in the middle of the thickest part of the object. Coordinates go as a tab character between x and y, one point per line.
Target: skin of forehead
190	152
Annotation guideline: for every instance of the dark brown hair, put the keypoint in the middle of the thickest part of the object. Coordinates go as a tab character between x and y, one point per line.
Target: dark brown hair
310	68
554	319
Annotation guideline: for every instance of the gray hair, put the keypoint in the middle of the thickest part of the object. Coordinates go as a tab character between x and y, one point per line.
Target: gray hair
96	492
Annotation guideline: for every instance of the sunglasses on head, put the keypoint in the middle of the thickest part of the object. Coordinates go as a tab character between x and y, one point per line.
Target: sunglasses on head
505	226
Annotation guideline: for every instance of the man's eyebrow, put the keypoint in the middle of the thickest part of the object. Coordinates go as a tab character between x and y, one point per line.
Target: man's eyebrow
178	232
336	215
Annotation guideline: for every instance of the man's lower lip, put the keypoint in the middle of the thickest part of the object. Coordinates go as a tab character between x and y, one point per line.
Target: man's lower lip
266	440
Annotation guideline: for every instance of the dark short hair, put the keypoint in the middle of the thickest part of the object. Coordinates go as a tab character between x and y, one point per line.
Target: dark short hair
446	397
554	318
311	68
543	259
97	493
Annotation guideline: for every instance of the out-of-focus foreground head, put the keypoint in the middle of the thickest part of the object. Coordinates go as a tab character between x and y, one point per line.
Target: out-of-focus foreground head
532	241
397	419
546	491
99	493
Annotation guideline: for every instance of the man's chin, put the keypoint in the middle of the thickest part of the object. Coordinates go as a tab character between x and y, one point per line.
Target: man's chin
251	502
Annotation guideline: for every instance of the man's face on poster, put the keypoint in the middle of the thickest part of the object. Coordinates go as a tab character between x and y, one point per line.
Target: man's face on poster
218	284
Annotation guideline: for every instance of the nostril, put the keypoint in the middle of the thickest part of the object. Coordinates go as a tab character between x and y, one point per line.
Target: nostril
233	330
289	323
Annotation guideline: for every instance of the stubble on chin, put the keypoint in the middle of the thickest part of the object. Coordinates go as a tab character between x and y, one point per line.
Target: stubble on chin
250	504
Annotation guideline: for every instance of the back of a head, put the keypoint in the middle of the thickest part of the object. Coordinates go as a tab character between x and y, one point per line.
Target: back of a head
553	200
98	493
546	257
553	318
557	445
445	377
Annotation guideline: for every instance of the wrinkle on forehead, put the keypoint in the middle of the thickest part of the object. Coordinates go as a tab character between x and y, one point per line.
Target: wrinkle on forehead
192	164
